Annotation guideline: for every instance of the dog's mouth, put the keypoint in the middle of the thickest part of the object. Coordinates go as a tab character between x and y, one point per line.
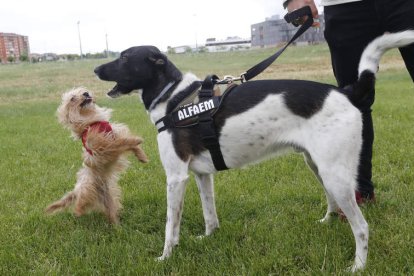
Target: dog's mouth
118	91
86	101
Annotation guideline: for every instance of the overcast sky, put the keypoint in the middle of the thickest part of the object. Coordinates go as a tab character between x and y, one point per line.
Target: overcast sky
52	25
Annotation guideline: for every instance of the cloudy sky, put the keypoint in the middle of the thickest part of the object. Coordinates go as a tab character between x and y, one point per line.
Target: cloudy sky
52	25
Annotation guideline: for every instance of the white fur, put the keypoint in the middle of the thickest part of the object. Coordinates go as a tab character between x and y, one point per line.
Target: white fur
374	51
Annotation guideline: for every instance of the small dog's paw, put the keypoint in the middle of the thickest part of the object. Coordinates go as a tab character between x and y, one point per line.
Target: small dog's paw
141	156
143	159
139	141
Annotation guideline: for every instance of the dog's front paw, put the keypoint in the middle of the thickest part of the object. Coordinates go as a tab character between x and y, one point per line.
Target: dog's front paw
140	155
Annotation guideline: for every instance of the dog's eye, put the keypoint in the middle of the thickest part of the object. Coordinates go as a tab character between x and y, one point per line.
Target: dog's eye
73	99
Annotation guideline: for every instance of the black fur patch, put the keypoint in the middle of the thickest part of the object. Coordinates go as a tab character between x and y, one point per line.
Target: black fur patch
306	98
361	93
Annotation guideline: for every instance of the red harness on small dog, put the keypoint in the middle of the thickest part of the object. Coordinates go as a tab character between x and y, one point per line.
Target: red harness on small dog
101	126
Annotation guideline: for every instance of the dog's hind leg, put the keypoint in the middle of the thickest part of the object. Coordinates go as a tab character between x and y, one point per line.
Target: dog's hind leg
332	206
110	195
86	194
205	184
338	184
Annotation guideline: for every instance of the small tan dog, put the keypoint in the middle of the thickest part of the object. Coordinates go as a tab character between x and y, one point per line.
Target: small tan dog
104	155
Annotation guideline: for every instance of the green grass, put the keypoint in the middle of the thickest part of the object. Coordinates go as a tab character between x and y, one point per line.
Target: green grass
268	212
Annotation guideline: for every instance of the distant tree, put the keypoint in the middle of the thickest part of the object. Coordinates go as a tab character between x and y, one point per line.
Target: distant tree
24	57
72	56
112	54
95	56
10	59
202	49
170	50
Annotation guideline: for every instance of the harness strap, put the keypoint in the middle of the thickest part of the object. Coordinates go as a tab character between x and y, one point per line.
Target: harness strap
206	125
166	89
290	17
99	126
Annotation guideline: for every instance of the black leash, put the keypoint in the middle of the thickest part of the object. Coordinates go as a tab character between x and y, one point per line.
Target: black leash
290	18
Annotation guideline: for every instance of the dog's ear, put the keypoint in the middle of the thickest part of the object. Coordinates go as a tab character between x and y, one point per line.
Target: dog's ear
158	59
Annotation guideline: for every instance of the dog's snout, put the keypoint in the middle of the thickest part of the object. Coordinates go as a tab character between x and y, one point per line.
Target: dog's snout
96	70
86	94
100	72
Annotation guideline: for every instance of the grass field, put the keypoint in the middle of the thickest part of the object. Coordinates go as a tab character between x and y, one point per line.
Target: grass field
268	212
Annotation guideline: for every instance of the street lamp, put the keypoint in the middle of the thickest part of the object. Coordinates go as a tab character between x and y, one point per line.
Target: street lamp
195	30
80	43
107	49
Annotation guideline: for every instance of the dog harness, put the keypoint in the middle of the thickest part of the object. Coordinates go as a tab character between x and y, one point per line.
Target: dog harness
100	126
198	110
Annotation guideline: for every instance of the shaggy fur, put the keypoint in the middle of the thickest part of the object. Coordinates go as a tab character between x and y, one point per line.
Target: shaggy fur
256	121
104	156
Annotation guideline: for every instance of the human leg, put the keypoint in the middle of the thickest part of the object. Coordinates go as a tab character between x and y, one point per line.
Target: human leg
398	16
348	30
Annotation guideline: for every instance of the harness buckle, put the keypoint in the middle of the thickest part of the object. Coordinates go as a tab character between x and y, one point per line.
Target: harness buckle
243	77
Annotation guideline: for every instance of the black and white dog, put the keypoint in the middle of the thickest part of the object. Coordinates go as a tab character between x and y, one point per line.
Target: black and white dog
256	121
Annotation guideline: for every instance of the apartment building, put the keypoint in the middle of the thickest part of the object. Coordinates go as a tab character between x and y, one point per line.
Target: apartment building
13	46
274	31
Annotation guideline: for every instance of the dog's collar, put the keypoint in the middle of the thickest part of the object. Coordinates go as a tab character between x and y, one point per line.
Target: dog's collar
163	92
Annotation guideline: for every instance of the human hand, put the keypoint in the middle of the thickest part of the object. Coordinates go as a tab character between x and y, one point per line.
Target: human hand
297	4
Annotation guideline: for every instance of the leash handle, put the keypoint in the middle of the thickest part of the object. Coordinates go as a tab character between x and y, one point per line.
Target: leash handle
290	17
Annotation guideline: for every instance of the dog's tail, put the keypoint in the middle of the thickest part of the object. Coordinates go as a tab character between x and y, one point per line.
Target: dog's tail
61	204
368	65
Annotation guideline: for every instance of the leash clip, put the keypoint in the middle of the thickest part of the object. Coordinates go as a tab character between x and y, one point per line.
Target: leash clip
227	79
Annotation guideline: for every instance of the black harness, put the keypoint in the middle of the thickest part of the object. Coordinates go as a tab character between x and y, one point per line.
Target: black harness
200	114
